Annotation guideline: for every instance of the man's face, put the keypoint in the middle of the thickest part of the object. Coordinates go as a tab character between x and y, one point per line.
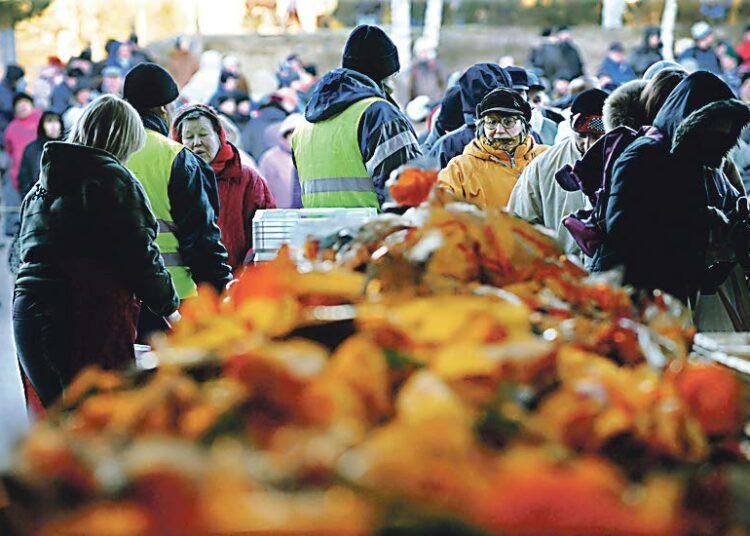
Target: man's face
23	108
584	140
83	96
124	52
112	84
230	84
243	107
654	41
389	84
228	107
728	63
563	36
502	127
706	42
536	98
617	56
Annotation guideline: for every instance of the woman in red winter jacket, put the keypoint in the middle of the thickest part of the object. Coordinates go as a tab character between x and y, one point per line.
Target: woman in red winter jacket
242	190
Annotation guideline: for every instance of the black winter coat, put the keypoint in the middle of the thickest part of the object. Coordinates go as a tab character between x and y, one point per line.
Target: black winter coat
88	208
194	199
571	65
658	215
28	173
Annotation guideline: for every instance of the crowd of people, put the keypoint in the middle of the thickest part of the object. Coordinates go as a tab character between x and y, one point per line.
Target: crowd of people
140	182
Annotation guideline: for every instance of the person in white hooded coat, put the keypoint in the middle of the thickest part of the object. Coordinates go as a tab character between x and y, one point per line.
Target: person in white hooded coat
536	197
203	84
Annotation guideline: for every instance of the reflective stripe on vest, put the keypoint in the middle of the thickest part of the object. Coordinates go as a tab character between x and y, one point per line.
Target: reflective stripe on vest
152	166
329	161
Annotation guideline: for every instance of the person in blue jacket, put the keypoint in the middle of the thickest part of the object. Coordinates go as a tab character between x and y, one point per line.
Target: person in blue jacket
615	69
702	55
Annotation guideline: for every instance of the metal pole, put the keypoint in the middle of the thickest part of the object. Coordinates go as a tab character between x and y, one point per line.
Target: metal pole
401	35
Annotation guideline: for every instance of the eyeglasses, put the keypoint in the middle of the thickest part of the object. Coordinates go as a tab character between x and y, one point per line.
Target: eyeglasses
506	122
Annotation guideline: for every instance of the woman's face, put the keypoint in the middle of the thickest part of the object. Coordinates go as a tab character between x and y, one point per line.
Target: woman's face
200	137
52	128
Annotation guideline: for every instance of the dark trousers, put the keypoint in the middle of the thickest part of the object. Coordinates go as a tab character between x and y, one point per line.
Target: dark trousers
43	334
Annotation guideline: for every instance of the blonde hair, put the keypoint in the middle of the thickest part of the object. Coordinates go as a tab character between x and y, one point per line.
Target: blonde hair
111	124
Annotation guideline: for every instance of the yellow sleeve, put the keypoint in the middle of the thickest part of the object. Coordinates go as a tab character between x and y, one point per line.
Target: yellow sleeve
451	179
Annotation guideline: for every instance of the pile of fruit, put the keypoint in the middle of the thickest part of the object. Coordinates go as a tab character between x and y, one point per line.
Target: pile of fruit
442	372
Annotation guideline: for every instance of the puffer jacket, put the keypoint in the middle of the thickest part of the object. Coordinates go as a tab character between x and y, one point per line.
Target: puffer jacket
658	216
87	206
485	177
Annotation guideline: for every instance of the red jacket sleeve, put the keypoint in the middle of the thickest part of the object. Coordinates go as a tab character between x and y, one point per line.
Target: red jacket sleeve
257	197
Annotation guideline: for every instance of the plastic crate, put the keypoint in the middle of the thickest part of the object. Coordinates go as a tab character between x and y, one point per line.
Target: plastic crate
276	227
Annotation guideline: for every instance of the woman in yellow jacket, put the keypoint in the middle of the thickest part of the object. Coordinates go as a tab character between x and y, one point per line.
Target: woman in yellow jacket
490	165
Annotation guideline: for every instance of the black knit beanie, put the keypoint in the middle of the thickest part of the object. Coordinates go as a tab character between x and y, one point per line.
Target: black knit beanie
589	102
148	85
370	51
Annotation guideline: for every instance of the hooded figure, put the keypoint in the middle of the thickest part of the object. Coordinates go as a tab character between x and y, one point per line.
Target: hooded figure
648	53
8	88
50	129
623	107
203	84
665	184
354	134
537	197
449	118
490	165
476	82
277	167
702	55
242	190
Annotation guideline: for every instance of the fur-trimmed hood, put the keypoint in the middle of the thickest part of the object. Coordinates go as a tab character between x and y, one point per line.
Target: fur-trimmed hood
735	110
623	107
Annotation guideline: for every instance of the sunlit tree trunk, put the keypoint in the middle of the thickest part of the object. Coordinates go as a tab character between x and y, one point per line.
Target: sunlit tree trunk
401	35
7	47
612	13
668	19
433	20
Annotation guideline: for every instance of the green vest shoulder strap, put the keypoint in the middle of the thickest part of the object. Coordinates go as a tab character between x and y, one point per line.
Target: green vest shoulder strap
152	166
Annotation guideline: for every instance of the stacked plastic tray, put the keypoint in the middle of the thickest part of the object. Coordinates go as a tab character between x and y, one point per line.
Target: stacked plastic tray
276	227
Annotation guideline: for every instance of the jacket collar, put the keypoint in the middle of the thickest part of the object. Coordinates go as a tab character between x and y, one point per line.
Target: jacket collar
480	150
153	121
